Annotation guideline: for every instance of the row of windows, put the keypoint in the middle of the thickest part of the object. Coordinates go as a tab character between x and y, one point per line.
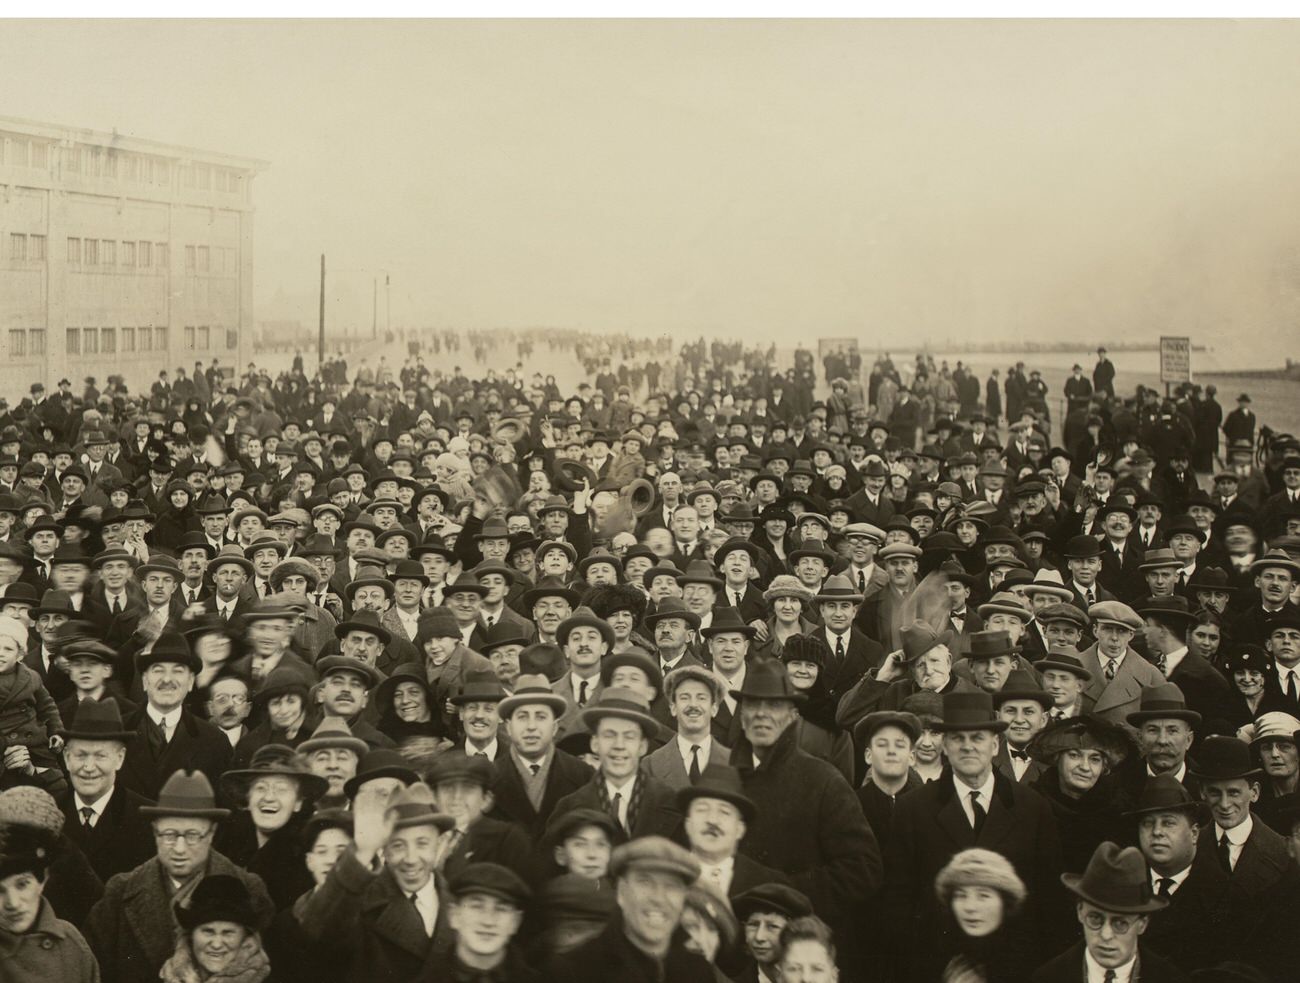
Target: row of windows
26	341
209	259
25	246
108	162
105	341
109	252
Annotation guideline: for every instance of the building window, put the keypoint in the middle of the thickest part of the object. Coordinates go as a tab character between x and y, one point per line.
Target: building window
72	159
36	341
128	339
17	343
163	255
189	259
144	254
162	172
90	341
201	341
189	337
160	339
204	264
36	248
232	338
74	341
128	254
146	339
90	252
17	246
107	252
108	341
74	251
41	155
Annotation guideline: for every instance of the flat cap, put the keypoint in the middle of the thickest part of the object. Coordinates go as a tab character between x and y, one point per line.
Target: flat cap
654	853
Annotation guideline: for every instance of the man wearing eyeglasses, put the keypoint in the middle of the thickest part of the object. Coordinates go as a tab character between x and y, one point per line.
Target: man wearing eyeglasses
132	929
1114	902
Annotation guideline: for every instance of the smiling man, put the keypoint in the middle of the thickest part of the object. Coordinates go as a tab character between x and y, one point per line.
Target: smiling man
651	876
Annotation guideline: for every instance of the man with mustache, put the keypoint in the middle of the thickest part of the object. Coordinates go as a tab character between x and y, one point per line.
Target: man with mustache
718	814
693	695
584	639
344	691
168	736
672	624
102	819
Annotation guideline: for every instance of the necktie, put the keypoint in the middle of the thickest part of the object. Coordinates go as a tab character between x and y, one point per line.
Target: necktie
194	597
1091	597
117	605
489	619
1225	855
225	612
1182	578
87	815
1056	713
1290	684
615	806
266	589
839	647
736	595
694	773
1165	887
480	754
978	811
582	693
1161	665
1111	668
535	769
862	582
1109	977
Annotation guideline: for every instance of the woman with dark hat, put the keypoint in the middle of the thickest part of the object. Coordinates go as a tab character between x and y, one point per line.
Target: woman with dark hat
408	714
35	944
1081	755
274	794
981	896
805	656
218	938
287	715
1247	667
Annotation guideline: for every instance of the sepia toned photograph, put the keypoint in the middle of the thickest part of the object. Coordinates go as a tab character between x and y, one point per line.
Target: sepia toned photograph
537	498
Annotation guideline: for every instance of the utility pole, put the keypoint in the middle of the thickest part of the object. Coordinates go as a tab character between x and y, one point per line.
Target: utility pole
320	341
388	304
374	309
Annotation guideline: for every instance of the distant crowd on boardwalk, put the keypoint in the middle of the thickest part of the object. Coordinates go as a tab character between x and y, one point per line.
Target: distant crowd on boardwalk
700	669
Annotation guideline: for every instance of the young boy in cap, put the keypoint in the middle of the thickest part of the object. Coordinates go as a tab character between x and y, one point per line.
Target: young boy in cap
486	911
763	911
581	842
886	738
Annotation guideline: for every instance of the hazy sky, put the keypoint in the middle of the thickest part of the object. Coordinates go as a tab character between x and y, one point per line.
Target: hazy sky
777	179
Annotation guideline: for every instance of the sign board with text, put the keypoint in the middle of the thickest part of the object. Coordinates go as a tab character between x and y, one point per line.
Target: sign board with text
1175	359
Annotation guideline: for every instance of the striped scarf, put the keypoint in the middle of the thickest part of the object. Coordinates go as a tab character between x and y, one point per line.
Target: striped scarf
633	805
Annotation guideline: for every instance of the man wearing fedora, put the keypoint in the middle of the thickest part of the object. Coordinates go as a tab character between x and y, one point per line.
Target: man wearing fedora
1282	679
972	805
1113	904
167	735
717	815
737	559
671	625
1275	575
1168	622
693	695
879	618
836	860
853	654
533	775
1083	560
102	819
620	725
386	894
1119	674
132	929
1262	879
584	639
1169	823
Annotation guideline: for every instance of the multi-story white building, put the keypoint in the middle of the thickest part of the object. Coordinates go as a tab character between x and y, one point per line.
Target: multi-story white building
119	256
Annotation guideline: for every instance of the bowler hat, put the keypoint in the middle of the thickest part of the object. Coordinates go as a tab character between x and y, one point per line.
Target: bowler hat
1165	793
982	645
767	679
218	898
1116	880
625	704
1082	547
725	620
1164	701
97	720
380	763
1221	759
186	795
1021	685
718	782
969	711
170	646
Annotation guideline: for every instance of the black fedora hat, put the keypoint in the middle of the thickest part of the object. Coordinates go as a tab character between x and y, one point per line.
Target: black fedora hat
1164	701
767	679
1222	759
718	782
672	607
1211	579
97	720
1116	880
969	711
727	619
1165	793
1173	608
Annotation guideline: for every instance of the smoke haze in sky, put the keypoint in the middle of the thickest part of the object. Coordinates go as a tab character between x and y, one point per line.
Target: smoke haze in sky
894	180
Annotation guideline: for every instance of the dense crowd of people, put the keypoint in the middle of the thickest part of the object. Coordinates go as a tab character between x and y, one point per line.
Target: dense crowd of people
685	673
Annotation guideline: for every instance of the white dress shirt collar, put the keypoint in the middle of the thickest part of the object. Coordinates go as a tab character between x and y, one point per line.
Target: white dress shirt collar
964	791
1097	972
